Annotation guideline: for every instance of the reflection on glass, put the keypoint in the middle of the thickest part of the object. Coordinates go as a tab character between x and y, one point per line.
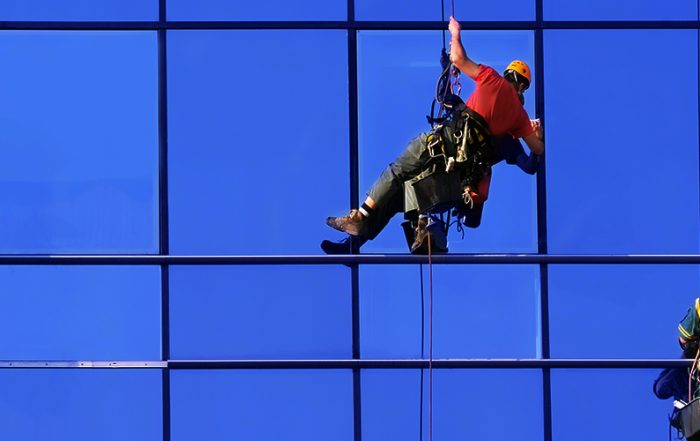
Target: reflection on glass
473	306
80	142
417	10
266	405
258	158
591	306
260	312
607	404
391	404
81	404
79	10
80	313
273	10
620	10
616	184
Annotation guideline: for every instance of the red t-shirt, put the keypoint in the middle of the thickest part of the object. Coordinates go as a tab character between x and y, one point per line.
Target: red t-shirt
497	101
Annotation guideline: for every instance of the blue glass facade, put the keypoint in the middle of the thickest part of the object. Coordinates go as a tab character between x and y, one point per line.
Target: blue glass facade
217	128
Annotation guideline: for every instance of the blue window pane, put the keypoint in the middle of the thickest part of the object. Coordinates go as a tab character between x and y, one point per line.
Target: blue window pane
260	312
80	142
419	10
392	63
622	158
79	313
463	405
636	309
80	404
620	10
257	159
273	10
607	405
473	307
79	10
262	405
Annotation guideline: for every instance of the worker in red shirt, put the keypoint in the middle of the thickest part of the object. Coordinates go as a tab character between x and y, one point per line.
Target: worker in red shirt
497	103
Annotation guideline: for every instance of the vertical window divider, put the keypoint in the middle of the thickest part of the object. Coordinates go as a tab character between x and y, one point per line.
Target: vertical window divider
163	222
354	202
542	223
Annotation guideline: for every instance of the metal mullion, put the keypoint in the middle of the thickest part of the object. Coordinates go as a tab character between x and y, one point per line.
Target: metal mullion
163	210
401	363
348	25
542	226
489	363
354	201
348	259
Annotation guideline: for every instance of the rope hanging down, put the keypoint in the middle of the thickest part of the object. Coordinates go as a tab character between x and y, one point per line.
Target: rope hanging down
446	97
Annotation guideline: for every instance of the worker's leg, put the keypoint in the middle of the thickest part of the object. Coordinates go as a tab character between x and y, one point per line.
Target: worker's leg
373	225
385	197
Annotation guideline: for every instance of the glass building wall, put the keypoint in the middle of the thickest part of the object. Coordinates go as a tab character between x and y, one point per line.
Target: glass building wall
167	167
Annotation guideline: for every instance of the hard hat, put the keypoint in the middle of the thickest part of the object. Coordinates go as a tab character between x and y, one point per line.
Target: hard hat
522	71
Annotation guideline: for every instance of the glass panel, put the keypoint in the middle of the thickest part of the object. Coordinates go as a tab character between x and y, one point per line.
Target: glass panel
391	404
620	10
262	405
272	10
80	313
607	404
257	160
81	404
469	303
260	312
391	63
636	308
418	10
622	158
80	142
79	10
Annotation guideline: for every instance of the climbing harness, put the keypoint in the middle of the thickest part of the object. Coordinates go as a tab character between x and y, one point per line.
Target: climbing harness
457	174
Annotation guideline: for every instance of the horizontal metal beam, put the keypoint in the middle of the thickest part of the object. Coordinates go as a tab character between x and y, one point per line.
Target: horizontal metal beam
83	364
341	25
437	364
474	363
364	259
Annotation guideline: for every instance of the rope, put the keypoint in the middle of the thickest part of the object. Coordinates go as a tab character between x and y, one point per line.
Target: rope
442	16
422	351
430	360
690	377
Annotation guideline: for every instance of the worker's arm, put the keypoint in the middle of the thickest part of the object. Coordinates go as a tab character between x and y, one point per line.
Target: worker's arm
534	140
457	53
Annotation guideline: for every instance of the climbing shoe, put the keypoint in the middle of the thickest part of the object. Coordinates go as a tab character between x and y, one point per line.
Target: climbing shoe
343	246
429	231
420	243
353	223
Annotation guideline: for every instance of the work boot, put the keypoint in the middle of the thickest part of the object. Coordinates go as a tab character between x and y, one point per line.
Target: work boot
429	230
343	246
420	243
353	223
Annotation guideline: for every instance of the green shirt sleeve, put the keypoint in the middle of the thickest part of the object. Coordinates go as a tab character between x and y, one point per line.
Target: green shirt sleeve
689	327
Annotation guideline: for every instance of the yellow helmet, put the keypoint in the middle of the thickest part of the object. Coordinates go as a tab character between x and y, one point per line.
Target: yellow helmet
522	71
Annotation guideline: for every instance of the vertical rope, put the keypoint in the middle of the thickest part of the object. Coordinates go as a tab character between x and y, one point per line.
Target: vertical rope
430	359
422	353
442	16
